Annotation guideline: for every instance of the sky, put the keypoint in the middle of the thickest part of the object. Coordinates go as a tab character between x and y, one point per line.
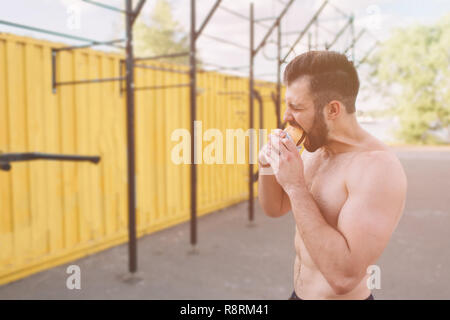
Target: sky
377	17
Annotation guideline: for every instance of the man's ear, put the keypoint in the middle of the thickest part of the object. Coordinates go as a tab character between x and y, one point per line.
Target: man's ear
333	109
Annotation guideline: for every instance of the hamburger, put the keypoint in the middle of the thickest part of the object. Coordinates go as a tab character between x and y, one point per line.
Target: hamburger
296	134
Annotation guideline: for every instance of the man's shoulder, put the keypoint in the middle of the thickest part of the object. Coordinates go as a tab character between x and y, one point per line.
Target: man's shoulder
377	165
381	157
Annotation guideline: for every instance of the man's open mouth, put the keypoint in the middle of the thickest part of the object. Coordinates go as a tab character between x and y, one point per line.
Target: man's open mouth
295	124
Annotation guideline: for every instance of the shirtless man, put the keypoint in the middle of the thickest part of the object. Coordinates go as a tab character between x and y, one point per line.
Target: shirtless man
346	191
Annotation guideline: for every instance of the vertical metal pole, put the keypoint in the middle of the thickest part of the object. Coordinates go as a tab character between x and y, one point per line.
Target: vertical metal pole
278	102
53	71
251	85
193	103
352	29
130	140
309	41
316	46
120	75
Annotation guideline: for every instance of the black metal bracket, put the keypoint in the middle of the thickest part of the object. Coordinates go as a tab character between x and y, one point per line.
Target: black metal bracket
6	158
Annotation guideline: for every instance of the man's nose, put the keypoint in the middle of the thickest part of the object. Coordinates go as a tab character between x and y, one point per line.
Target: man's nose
287	116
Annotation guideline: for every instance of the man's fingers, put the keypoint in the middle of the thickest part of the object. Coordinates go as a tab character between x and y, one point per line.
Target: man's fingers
273	158
288	145
275	143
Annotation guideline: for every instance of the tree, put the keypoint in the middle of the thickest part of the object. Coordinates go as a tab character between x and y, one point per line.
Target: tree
161	35
416	60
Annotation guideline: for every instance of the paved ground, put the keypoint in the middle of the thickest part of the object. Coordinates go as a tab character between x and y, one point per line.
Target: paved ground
235	261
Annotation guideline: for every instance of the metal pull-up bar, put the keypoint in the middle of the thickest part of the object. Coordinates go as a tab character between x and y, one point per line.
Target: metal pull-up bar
6	158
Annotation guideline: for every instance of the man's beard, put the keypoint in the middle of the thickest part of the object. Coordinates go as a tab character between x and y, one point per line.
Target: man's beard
317	136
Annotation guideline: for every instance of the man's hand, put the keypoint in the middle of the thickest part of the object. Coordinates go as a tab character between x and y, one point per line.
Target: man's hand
285	161
262	155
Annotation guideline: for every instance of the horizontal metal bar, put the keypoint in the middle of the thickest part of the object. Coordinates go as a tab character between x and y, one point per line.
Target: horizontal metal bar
54	33
160	68
105	6
164	86
89	81
170	55
237	45
95	43
27	156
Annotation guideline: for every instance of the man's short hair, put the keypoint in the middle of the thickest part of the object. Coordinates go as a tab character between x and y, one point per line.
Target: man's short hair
332	77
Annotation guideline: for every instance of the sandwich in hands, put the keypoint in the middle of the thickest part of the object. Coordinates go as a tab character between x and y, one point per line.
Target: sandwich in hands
297	135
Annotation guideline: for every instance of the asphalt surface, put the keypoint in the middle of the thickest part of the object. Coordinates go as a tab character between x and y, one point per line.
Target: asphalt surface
235	260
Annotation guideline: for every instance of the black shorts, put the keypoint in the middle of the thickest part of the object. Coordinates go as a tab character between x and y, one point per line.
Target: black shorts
295	297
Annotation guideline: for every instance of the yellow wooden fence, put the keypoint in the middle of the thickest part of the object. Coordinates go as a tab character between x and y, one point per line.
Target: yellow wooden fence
53	212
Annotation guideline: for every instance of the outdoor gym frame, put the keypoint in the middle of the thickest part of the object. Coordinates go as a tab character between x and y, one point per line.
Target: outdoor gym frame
130	63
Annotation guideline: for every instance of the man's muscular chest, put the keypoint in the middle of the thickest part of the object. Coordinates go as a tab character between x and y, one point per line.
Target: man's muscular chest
325	179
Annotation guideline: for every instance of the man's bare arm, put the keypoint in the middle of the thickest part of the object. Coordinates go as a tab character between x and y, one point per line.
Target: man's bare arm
376	194
270	195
